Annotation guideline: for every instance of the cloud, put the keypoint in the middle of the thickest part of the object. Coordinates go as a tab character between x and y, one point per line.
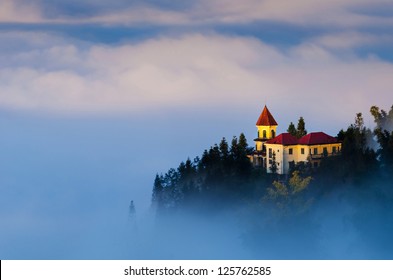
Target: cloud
155	73
346	13
20	11
192	71
350	40
302	12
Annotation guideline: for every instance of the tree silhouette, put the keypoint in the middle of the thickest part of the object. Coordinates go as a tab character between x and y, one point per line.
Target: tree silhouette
292	129
301	128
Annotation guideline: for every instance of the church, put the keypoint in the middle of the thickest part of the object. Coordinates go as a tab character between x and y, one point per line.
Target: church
286	150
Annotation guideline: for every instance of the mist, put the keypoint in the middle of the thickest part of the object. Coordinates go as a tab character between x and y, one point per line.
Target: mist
66	185
66	182
345	224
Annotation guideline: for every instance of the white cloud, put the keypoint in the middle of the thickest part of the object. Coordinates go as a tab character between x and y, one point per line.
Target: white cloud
195	71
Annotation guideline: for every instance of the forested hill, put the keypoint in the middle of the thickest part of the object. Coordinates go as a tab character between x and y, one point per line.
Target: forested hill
224	176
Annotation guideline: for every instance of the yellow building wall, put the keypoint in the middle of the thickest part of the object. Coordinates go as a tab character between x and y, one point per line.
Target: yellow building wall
284	156
320	148
265	132
270	131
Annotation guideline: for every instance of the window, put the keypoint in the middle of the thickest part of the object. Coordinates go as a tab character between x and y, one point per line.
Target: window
264	134
310	151
334	150
258	134
302	151
270	152
315	151
325	151
273	134
290	151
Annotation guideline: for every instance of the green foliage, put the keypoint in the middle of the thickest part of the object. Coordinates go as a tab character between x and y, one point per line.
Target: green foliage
384	135
298	131
301	128
288	199
292	129
383	120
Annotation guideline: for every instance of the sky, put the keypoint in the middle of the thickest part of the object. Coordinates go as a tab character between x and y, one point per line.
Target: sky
98	96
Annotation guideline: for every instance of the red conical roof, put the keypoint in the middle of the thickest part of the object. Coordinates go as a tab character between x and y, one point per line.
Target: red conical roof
266	118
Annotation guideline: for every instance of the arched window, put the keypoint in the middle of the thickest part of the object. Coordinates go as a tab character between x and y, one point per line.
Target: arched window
273	134
264	134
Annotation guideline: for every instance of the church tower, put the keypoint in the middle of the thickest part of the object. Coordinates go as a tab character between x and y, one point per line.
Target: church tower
266	126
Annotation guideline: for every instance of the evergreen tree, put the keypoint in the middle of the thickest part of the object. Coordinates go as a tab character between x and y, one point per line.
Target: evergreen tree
359	122
131	210
300	131
301	128
224	148
292	129
243	164
357	162
157	190
242	145
234	150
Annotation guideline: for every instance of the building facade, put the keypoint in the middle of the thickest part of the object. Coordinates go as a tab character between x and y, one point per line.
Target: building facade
279	153
266	130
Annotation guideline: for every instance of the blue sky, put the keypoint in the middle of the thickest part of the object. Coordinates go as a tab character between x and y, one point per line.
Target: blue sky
96	97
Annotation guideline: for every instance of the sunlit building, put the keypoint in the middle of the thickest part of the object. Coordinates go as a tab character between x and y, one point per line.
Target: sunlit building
285	150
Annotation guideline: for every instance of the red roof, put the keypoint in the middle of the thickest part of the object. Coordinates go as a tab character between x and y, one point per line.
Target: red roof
266	118
315	138
283	139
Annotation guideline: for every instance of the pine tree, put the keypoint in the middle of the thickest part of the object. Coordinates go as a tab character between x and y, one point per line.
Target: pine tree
292	129
242	144
224	148
131	209
157	190
234	150
301	128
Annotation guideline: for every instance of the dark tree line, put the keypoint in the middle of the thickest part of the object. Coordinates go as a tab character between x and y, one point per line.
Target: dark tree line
223	172
366	155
